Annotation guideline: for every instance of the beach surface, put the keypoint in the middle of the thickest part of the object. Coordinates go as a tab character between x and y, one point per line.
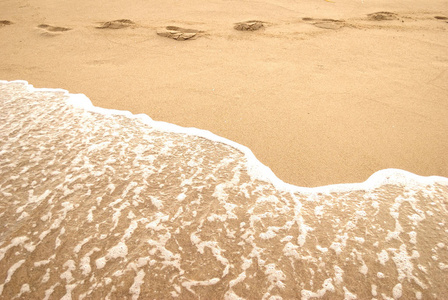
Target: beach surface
322	92
103	204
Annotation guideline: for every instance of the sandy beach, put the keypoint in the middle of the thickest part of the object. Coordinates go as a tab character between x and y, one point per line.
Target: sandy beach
322	92
95	204
104	204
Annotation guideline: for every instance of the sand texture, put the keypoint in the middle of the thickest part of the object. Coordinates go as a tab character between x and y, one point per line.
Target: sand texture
323	92
102	206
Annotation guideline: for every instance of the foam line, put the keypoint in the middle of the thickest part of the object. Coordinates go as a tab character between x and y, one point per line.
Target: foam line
256	169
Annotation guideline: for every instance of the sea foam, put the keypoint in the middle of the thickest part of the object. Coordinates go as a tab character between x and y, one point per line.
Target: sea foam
255	168
100	203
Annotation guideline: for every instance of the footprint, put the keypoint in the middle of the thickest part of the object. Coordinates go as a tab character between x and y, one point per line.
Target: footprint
383	16
53	28
179	34
116	24
442	18
326	23
249	25
5	23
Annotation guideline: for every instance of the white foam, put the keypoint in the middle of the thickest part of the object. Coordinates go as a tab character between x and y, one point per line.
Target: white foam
130	230
41	263
363	269
321	249
383	257
349	295
50	290
10	273
397	291
181	197
134	290
156	202
413	237
230	295
82	243
338	275
275	277
360	240
46	276
403	263
254	167
84	265
191	283
67	275
301	245
69	288
374	291
14	242
267	235
24	289
327	286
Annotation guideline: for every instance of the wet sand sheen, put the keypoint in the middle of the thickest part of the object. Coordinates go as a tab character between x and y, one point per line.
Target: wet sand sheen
322	93
103	204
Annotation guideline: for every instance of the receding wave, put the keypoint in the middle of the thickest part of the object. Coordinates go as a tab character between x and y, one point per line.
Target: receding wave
98	203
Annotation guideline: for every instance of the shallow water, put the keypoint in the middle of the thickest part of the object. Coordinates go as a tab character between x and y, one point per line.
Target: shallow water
103	204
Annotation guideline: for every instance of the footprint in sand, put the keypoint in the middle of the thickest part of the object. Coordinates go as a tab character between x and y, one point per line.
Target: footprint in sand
442	18
51	31
249	25
382	16
178	33
326	23
53	28
116	24
5	23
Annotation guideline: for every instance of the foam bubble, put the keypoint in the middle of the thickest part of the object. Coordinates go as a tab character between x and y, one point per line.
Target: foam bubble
134	290
397	291
10	273
383	257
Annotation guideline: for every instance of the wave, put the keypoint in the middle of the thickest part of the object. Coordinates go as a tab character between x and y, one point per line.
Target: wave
100	203
256	169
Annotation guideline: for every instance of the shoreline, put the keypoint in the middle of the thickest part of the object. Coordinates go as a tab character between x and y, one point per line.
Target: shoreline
256	169
98	204
319	102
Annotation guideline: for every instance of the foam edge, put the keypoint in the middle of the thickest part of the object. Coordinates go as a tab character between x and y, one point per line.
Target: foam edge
256	169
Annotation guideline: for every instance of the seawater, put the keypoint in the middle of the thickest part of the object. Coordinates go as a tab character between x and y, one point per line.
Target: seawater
103	204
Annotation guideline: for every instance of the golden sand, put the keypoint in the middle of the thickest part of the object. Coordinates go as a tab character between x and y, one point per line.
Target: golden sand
322	92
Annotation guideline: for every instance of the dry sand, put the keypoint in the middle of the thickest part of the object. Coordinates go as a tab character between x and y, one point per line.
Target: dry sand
322	92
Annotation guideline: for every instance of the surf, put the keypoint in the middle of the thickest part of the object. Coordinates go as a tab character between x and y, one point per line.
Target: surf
104	203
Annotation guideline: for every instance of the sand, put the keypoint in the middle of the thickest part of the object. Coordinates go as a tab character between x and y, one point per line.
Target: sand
101	206
321	91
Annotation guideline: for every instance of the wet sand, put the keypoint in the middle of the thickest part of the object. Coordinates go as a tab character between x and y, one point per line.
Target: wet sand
322	92
101	206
